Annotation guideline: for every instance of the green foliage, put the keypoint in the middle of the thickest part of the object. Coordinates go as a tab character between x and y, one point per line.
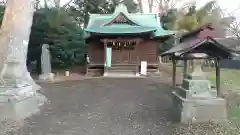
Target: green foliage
190	18
68	49
84	7
2	8
194	18
58	28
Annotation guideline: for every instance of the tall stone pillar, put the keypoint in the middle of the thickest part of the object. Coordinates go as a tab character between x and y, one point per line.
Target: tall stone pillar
18	88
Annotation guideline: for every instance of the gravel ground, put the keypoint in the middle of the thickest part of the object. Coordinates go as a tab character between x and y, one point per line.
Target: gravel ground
103	107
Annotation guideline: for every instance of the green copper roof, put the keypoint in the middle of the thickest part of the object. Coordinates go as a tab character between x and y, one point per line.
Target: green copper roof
121	29
142	23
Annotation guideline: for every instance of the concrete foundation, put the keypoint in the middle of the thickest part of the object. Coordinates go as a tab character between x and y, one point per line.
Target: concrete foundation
47	77
19	103
199	110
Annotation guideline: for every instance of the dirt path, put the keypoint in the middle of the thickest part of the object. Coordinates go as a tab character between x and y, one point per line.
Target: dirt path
103	107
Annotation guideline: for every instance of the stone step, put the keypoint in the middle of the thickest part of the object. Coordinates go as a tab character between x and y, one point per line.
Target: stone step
131	69
121	70
123	74
123	67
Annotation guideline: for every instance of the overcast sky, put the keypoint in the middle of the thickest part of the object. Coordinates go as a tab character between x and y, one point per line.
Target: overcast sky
227	5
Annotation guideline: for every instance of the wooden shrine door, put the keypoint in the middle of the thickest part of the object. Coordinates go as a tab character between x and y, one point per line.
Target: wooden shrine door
123	56
116	56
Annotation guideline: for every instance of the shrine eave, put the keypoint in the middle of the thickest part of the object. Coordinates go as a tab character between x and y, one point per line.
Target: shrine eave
156	33
163	33
121	30
209	46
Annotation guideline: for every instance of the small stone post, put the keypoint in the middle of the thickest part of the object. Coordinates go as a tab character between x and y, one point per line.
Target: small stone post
46	64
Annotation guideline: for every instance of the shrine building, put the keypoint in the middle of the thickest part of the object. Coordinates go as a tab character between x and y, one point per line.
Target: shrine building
119	42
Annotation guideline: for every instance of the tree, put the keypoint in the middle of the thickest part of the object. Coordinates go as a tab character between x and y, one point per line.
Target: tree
84	7
66	39
58	28
162	5
140	6
194	18
14	40
234	29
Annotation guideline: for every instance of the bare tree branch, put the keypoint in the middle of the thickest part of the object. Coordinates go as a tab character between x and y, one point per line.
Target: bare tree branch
150	5
3	2
67	4
234	27
140	5
45	4
57	3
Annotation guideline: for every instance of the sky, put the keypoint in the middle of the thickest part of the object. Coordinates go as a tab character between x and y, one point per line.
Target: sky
229	6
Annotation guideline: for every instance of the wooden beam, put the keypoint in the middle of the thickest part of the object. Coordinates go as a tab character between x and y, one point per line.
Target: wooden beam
217	66
105	58
137	40
185	67
174	72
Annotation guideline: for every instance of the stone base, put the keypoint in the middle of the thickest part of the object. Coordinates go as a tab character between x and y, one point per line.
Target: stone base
32	82
199	110
47	77
19	103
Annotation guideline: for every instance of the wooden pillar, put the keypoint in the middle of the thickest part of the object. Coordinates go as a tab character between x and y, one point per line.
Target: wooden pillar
105	57
185	68
217	66
137	66
174	63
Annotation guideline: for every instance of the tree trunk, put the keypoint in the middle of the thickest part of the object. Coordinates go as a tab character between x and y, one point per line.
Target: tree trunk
86	16
14	38
140	6
57	3
150	5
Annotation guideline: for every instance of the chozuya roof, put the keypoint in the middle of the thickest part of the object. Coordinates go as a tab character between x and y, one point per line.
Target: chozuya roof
137	23
214	47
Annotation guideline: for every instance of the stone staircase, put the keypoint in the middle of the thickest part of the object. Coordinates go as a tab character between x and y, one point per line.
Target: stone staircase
122	71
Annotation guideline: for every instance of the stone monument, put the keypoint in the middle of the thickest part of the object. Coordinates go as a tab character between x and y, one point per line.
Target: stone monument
196	101
18	92
46	64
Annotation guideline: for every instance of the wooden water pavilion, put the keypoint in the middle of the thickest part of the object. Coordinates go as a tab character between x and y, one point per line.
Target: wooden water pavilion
202	40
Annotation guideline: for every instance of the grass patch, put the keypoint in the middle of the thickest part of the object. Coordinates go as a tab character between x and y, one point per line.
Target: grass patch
229	79
234	114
